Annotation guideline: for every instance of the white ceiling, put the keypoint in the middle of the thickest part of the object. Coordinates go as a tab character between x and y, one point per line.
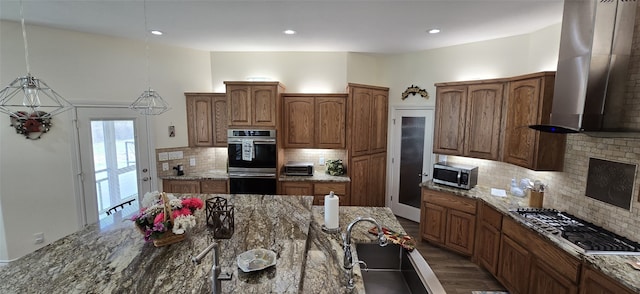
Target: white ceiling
376	26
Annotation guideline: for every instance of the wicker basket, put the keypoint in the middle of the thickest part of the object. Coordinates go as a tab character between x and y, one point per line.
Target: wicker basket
168	237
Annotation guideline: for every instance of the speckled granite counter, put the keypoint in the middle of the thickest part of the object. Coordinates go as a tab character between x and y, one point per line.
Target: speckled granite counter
317	177
324	257
112	257
210	175
115	259
614	266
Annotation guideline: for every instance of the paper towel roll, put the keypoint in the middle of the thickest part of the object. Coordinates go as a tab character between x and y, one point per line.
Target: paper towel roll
331	211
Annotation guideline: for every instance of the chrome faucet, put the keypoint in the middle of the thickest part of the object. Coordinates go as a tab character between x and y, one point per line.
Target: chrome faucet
216	275
346	246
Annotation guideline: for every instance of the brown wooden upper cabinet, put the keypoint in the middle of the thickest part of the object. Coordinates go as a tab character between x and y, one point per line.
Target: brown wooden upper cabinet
314	120
468	119
529	103
253	104
489	119
368	119
207	119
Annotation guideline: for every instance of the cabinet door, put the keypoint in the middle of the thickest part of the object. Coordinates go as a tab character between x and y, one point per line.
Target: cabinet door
433	223
263	106
451	103
544	279
238	105
594	282
361	120
513	271
199	120
297	188
181	186
522	112
460	234
377	179
484	112
220	121
359	173
379	114
213	187
330	114
488	247
298	122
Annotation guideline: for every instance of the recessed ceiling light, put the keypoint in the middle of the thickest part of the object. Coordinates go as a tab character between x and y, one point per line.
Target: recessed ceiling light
289	32
156	32
434	31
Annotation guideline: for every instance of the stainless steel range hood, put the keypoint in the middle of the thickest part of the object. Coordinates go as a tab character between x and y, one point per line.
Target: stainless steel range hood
593	70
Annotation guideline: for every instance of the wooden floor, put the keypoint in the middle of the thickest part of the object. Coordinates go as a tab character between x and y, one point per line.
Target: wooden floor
456	273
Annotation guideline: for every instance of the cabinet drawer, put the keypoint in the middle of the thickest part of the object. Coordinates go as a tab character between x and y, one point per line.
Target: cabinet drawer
449	200
213	187
325	188
490	216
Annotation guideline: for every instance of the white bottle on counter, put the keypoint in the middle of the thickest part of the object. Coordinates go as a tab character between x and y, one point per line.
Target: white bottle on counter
331	211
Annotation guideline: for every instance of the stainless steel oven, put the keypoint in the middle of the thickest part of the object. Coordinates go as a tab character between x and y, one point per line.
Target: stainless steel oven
252	161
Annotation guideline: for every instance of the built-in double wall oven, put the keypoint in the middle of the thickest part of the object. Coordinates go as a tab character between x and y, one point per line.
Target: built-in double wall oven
252	161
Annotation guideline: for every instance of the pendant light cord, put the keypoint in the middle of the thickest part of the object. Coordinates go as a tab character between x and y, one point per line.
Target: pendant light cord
146	42
24	38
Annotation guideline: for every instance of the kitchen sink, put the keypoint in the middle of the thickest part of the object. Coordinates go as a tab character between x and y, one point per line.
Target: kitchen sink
395	270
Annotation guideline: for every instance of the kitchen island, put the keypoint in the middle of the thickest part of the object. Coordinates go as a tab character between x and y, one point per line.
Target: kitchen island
112	257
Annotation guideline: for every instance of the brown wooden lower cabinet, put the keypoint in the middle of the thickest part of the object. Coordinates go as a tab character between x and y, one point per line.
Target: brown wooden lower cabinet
448	220
488	231
195	186
181	186
594	282
515	261
316	189
544	279
368	179
214	186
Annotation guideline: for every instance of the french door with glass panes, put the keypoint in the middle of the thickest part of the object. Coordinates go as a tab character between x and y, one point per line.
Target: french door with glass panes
115	160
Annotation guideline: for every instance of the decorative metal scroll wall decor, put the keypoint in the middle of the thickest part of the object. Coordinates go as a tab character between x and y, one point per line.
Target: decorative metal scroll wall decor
415	90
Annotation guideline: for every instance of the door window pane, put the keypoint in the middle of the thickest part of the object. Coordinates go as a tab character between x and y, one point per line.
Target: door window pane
411	156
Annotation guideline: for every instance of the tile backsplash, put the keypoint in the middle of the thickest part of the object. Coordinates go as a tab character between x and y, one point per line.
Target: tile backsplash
206	159
567	189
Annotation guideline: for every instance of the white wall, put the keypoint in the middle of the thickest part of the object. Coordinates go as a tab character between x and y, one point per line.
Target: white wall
37	184
300	72
368	69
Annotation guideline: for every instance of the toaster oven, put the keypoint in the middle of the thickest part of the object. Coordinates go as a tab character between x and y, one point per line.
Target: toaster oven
294	168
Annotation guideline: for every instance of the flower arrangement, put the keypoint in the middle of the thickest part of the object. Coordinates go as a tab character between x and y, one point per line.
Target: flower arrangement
154	224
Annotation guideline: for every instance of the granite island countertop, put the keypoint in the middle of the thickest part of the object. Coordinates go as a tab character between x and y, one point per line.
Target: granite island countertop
112	257
615	266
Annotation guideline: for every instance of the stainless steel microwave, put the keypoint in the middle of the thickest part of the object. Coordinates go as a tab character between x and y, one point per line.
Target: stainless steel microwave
455	175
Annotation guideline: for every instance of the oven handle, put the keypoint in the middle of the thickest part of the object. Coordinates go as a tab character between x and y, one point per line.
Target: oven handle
268	142
252	175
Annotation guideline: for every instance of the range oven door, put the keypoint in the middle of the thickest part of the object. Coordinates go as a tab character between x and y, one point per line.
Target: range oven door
252	184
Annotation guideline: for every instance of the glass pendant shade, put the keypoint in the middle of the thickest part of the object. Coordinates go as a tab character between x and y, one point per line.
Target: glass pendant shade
32	97
150	103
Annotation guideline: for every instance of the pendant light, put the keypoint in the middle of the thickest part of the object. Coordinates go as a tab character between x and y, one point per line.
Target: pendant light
149	102
31	112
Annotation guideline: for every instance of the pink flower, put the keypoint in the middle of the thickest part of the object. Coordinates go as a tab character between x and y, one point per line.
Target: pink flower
192	203
159	218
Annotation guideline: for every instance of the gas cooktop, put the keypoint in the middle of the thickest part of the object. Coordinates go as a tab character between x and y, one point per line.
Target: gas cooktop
585	236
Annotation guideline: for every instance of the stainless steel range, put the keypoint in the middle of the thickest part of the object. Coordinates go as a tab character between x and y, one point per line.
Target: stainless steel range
585	236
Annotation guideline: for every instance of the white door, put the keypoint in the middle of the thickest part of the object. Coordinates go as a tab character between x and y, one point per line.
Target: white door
411	159
114	159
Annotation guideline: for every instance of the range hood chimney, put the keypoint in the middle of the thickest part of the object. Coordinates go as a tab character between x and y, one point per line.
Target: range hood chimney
591	93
